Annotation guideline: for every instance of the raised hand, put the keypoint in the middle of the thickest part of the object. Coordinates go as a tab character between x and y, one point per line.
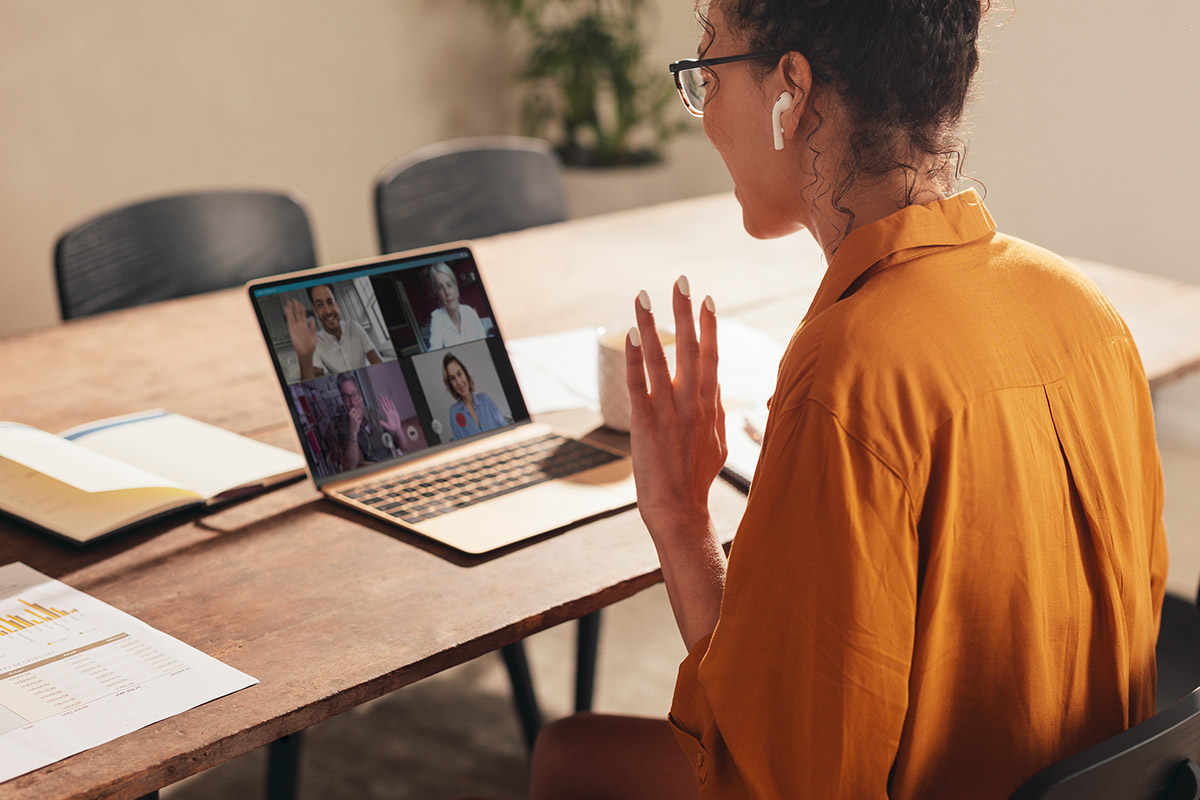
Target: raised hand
301	330
677	435
677	425
391	417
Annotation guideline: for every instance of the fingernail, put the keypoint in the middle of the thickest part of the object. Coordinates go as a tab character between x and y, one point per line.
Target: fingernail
644	299
635	337
683	286
710	305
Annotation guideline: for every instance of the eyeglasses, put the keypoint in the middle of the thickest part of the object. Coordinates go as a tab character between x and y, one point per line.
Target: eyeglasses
690	80
692	85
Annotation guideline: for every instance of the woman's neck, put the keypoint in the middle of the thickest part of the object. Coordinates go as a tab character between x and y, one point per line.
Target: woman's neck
870	198
865	204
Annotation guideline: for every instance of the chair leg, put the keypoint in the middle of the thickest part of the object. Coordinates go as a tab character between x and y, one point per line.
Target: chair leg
283	767
587	645
523	694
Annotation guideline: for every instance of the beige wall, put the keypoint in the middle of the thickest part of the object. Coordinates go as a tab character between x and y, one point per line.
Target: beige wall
1087	129
101	103
1084	135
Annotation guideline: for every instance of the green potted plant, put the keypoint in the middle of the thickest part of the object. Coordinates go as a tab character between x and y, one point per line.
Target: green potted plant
590	90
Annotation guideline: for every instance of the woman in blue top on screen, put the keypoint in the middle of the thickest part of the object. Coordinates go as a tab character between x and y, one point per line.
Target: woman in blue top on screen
453	322
474	412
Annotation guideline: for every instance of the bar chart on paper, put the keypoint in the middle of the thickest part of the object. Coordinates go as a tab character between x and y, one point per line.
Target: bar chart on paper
76	672
35	615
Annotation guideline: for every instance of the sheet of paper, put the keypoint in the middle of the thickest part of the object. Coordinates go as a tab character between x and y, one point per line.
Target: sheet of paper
747	370
76	672
558	371
205	458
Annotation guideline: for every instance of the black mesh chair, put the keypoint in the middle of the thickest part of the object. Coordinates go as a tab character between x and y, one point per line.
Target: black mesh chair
465	189
1156	760
179	245
1178	649
468	188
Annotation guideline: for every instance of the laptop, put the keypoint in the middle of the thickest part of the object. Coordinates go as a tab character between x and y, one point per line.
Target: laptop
407	408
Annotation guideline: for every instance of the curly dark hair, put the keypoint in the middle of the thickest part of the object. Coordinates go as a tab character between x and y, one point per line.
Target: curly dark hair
902	69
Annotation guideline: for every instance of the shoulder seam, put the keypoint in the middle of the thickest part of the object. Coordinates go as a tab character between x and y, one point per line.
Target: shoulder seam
833	417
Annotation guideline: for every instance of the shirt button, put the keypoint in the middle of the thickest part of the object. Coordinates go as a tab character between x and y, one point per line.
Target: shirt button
699	759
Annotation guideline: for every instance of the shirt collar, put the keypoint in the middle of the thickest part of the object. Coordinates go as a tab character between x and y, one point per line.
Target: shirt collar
900	237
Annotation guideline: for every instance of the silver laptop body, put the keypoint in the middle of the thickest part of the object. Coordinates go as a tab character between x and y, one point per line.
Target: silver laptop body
406	406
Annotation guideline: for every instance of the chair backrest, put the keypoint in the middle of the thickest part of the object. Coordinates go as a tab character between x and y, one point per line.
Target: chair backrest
1156	760
468	188
179	245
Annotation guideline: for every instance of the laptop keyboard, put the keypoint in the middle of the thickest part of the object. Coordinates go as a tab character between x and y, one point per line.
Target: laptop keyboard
456	484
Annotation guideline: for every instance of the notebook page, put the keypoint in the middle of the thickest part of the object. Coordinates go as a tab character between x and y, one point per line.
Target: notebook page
205	458
73	465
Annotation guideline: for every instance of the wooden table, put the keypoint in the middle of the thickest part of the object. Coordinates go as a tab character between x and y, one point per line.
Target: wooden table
327	608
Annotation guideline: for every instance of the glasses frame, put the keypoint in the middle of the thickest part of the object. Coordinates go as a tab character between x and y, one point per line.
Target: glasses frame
683	65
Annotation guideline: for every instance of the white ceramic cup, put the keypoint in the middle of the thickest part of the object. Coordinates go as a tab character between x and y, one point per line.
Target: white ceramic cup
614	391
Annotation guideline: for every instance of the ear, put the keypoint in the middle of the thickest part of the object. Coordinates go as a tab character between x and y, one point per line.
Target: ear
793	74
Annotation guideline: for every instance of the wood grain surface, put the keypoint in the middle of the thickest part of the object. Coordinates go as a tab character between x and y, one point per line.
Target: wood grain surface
327	608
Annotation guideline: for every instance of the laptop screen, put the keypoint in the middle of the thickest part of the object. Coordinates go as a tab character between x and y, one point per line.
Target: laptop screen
386	359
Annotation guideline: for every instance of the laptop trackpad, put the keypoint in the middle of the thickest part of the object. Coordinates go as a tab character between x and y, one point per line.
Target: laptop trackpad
535	509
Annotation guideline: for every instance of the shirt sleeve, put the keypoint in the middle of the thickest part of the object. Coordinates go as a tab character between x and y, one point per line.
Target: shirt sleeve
801	690
363	342
490	416
472	325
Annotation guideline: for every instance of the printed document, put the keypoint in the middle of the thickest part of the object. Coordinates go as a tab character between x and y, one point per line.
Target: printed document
76	672
558	371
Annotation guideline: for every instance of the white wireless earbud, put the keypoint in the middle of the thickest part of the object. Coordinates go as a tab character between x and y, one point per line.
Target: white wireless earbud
781	105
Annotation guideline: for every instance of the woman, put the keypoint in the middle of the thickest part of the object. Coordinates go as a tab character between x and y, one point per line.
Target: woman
454	322
951	565
474	412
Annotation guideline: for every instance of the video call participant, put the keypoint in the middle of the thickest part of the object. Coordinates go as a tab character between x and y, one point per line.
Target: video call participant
454	322
362	442
338	346
950	569
475	411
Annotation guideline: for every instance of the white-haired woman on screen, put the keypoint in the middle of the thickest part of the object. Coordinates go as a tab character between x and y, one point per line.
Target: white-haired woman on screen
453	322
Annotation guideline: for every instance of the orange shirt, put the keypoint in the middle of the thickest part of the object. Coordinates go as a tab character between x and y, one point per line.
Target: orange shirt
951	566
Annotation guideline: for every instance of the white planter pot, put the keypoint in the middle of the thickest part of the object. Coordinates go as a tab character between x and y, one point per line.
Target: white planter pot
690	168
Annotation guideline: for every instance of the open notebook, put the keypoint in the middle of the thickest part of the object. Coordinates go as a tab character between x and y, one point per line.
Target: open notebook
109	475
